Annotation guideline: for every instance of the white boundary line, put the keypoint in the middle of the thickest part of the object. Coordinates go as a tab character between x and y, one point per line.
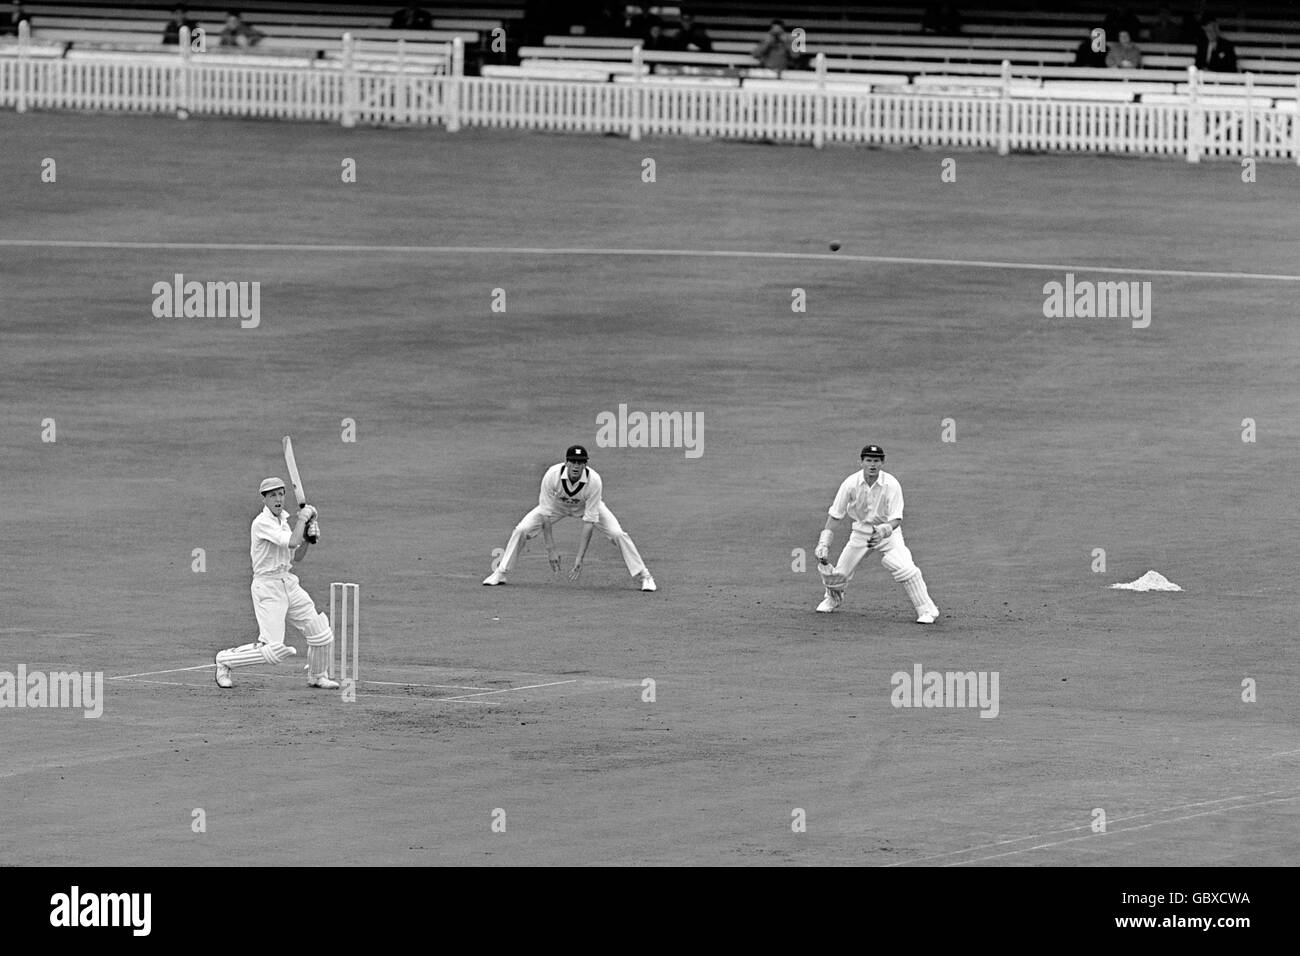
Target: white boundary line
672	253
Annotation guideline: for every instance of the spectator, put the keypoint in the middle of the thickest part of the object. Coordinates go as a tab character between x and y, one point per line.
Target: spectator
1086	55
411	17
1123	53
941	18
692	37
776	51
16	15
172	32
1213	52
239	33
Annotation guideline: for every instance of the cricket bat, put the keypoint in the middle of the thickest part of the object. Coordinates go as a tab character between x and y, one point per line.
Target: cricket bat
295	479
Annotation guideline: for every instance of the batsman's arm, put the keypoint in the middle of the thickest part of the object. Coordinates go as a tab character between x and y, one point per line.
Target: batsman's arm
305	514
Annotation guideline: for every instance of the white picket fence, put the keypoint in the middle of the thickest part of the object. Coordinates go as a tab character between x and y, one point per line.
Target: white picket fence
350	93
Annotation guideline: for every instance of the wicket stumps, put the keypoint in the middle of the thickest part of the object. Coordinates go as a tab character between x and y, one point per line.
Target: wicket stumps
349	616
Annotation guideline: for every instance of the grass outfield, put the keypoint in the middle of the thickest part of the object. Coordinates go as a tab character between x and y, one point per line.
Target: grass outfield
1071	435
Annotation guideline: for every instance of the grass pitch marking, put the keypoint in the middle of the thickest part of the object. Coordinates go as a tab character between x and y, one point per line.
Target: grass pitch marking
346	248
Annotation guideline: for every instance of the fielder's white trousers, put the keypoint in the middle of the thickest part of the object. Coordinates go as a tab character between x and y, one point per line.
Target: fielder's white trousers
608	525
276	598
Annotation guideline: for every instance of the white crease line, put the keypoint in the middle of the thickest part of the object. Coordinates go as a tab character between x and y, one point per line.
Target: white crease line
506	690
673	253
402	683
174	670
1086	826
432	700
1142	826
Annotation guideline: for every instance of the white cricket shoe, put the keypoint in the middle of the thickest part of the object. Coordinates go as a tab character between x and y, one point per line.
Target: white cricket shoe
223	677
324	682
929	617
647	582
495	578
827	606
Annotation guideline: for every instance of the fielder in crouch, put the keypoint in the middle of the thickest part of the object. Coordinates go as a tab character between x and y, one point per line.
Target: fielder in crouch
874	499
570	489
276	592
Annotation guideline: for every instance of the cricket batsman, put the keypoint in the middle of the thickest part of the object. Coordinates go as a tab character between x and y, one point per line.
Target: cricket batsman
570	489
274	546
874	499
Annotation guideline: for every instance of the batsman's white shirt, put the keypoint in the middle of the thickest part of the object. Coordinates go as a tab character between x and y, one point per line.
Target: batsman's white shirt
275	589
868	505
570	499
269	544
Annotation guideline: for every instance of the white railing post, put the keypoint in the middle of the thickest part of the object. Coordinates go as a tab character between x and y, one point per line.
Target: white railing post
182	103
1195	121
455	80
635	133
349	80
1250	114
1295	121
1004	124
819	103
401	86
24	64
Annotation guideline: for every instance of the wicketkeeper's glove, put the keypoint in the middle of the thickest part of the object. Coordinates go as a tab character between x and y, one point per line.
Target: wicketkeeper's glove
823	544
878	535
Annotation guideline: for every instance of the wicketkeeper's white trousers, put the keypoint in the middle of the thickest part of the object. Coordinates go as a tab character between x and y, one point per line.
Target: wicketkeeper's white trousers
896	558
608	525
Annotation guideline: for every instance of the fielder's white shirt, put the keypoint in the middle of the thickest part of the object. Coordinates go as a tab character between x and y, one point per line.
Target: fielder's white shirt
269	545
561	497
868	505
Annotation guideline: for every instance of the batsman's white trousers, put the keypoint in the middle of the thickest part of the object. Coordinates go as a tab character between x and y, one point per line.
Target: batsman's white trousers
276	597
608	525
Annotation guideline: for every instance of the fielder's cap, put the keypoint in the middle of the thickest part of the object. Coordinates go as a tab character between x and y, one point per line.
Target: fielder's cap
575	453
270	484
872	451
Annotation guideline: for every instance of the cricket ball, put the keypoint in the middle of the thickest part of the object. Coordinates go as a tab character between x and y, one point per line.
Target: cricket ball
835	247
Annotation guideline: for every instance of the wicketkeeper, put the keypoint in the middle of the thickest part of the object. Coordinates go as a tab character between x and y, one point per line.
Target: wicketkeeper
874	499
274	546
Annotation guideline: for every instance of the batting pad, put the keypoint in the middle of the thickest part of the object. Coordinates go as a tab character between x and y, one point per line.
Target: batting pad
320	634
319	659
918	594
833	580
